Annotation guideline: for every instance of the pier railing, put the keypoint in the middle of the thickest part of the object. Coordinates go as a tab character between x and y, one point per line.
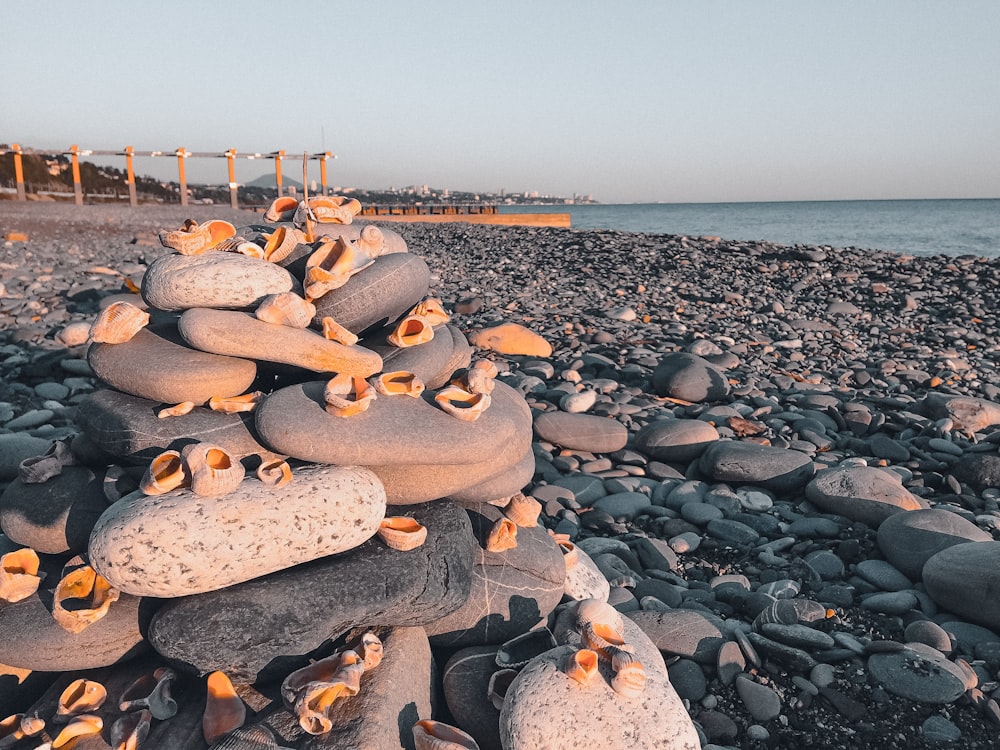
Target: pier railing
181	154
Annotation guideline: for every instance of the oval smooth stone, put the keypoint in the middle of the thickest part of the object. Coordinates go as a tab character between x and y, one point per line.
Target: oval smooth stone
238	334
213	279
909	540
180	543
157	365
393	430
382	292
862	493
434	361
295	262
511	338
585	432
778	469
965	579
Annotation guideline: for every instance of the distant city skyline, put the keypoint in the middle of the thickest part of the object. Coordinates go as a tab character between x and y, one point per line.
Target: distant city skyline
641	102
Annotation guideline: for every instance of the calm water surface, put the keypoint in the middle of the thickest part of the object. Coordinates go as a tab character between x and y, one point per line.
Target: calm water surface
919	227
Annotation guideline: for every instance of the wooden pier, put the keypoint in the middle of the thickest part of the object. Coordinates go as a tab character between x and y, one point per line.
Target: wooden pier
469	214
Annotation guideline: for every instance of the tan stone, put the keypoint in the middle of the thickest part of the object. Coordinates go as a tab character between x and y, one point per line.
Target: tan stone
511	338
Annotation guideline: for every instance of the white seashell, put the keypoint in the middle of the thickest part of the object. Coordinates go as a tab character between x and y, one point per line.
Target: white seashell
212	469
436	735
118	323
287	309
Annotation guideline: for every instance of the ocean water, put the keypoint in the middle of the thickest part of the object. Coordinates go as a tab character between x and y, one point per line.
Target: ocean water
917	227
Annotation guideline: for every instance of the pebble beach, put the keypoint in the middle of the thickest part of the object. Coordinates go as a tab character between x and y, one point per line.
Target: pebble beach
789	483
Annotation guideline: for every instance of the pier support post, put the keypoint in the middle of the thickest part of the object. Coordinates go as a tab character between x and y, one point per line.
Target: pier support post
133	199
19	173
233	187
181	156
277	169
74	152
322	169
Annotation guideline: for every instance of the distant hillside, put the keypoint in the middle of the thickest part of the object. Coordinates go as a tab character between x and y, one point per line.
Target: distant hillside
267	181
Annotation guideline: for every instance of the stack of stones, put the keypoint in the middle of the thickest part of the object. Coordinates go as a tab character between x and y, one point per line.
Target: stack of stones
295	448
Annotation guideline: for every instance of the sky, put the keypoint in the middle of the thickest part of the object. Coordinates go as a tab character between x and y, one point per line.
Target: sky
656	101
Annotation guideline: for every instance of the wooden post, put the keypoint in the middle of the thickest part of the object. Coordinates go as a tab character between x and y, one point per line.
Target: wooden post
133	199
322	170
181	156
277	169
74	151
19	173
233	199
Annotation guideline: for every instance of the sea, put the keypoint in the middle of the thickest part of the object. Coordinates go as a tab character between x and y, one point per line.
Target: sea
914	227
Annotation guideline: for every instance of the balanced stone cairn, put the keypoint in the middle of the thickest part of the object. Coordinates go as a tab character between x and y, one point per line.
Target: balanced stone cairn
296	483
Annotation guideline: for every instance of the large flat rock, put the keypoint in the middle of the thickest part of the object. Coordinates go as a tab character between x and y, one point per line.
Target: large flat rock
965	579
778	469
862	493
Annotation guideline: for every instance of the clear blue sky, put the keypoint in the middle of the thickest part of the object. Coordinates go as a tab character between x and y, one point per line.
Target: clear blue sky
629	101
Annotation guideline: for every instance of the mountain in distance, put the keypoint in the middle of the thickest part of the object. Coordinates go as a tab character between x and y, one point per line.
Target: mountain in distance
267	181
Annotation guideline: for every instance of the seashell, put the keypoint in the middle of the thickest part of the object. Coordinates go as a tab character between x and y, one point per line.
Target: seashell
431	310
240	245
315	698
371	241
82	583
502	536
151	692
118	323
236	404
128	731
411	331
224	710
81	696
581	665
80	726
630	676
322	670
436	735
112	479
19	576
16	727
518	651
347	395
402	533
256	737
328	209
499	682
194	239
274	473
331	265
286	309
212	469
461	404
602	638
369	648
179	410
570	556
166	472
523	510
598	611
281	209
280	243
39	469
399	383
333	331
480	377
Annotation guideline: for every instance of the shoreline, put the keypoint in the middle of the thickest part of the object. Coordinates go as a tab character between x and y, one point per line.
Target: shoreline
800	334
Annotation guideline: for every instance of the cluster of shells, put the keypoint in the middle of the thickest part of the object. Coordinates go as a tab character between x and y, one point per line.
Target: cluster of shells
601	630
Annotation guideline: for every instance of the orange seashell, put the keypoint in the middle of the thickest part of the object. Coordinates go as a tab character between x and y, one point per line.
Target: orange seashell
280	243
479	378
369	648
242	246
523	510
347	395
333	331
371	241
178	410
16	727
581	665
80	697
80	726
19	577
128	731
322	670
502	536
328	209
224	710
311	691
436	735
118	323
602	638
281	209
166	472
90	589
600	612
194	239
461	404
570	556
274	473
286	309
432	310
151	692
411	331
331	265
399	383
402	533
212	469
630	676
236	404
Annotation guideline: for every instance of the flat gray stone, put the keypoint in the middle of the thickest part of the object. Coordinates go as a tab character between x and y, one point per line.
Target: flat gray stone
14	448
683	632
465	680
260	628
585	432
780	470
229	281
883	574
862	493
623	504
156	364
760	700
675	439
962	578
908	540
434	362
689	377
918	673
